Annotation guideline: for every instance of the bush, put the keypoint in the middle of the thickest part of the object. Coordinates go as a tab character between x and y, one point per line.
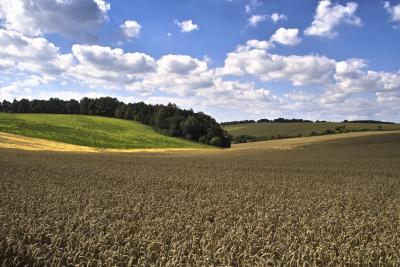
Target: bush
216	141
329	131
244	139
203	139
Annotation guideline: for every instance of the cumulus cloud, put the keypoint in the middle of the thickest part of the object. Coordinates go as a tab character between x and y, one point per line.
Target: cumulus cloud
286	36
177	74
237	85
131	29
181	64
352	76
73	18
393	11
232	94
339	79
300	70
282	36
22	88
256	19
328	16
184	76
255	44
107	67
388	97
187	25
31	55
276	17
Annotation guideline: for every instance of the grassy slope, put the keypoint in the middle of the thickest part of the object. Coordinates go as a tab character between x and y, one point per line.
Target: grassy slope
89	131
295	129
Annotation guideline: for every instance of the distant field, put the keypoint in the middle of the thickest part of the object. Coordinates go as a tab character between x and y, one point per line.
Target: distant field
292	143
89	131
273	130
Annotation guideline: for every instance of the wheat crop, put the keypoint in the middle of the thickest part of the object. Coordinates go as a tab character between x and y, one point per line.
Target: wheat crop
327	204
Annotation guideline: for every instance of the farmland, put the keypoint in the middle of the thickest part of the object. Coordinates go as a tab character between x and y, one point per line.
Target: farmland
274	130
90	131
331	203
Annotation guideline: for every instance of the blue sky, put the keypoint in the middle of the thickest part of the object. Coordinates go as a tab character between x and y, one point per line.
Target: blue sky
237	59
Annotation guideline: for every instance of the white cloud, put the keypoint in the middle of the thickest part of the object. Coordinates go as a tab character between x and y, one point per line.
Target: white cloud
99	66
339	79
282	35
21	88
131	29
27	64
286	36
388	97
106	58
177	74
6	65
187	25
256	19
393	11
104	67
352	76
101	4
252	5
31	55
329	15
183	76
73	18
300	70
180	64
255	44
276	17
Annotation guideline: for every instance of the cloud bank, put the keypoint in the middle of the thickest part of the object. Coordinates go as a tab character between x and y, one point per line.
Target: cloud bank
342	89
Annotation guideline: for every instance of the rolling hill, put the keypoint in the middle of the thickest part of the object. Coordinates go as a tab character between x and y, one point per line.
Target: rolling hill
90	131
277	130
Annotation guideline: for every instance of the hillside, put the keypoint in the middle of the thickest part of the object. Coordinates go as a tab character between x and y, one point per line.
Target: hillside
168	119
291	143
277	130
91	131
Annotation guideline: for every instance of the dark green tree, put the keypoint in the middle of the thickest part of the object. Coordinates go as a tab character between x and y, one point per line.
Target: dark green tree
24	106
191	128
84	105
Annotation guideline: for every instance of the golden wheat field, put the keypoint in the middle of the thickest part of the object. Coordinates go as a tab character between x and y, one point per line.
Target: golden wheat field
330	203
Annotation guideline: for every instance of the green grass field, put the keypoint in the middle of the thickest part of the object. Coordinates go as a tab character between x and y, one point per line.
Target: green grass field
276	129
89	131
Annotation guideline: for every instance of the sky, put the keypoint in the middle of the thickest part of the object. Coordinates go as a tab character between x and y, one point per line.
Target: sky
233	59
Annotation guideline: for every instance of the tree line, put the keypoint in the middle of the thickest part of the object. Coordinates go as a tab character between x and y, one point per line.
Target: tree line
265	121
165	119
369	121
300	120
